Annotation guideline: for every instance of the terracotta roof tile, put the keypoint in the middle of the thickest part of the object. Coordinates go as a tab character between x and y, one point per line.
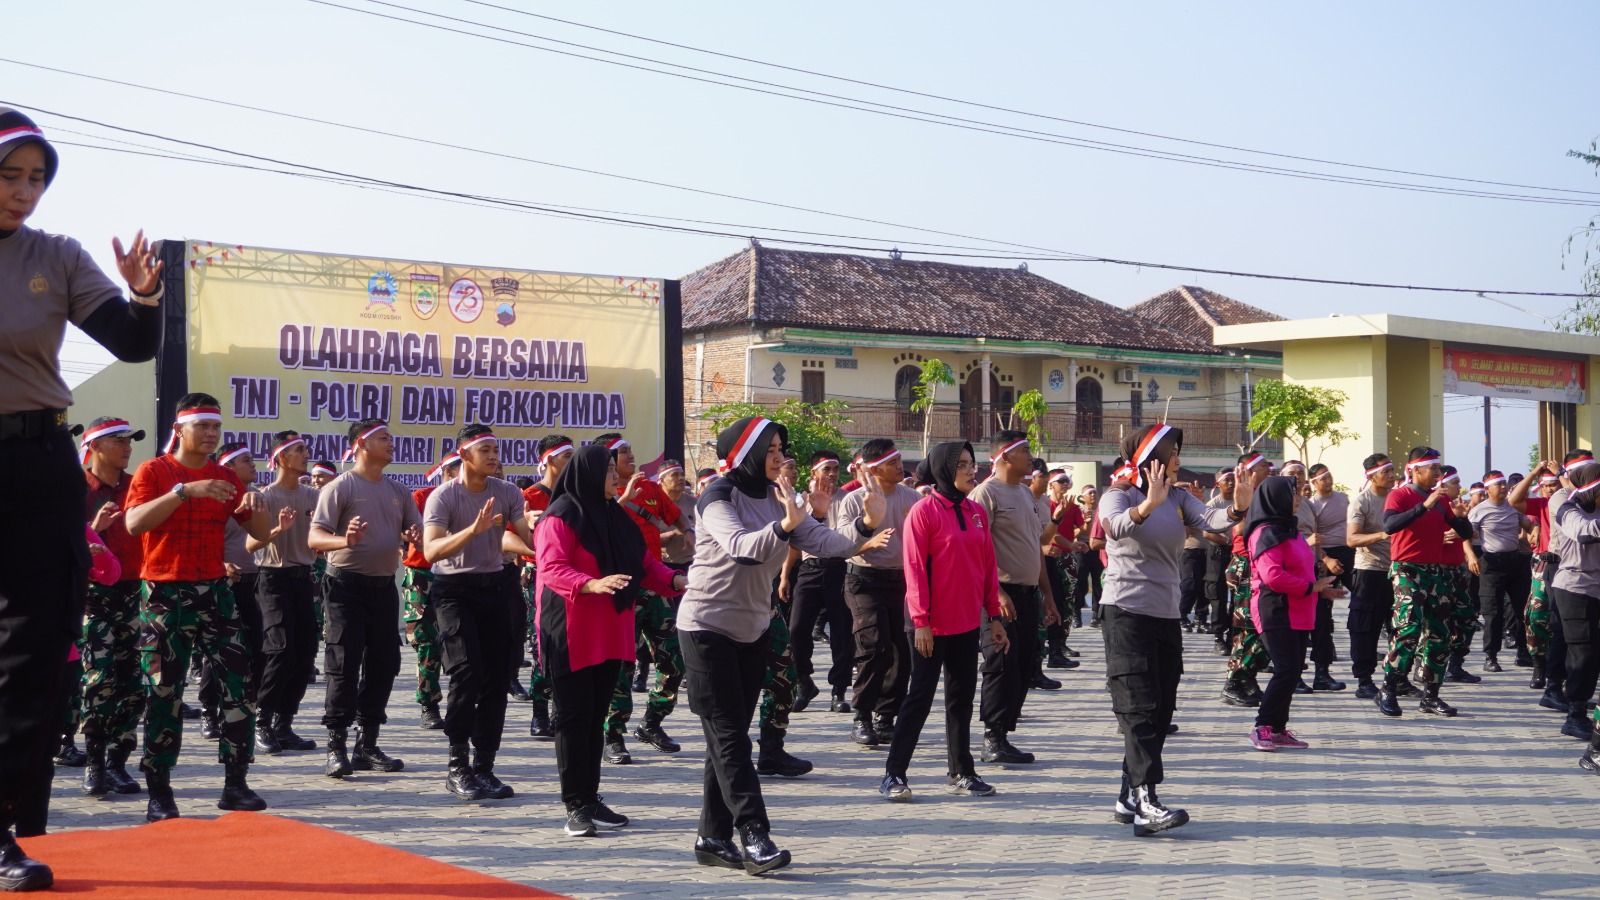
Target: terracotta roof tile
772	287
1193	311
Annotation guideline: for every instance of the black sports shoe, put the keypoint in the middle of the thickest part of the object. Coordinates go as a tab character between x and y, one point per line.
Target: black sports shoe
1491	664
1406	689
1433	705
808	692
1238	695
1553	698
70	756
969	786
649	731
996	749
617	752
1366	690
778	761
1578	726
1151	816
578	822
1590	761
604	816
430	717
894	789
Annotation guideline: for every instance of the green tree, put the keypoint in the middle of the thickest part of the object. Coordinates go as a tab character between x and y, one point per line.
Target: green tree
1299	415
934	373
1030	408
812	426
1584	316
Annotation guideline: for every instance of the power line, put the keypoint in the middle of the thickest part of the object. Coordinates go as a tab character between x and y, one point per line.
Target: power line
859	105
1012	110
321	173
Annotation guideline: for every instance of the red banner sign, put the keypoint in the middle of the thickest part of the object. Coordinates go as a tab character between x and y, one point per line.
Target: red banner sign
1484	374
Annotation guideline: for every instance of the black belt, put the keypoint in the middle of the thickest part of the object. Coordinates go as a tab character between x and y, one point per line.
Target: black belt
470	579
356	579
872	574
289	571
1503	555
821	562
33	423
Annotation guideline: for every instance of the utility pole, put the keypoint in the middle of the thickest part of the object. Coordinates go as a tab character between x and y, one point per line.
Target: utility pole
1487	465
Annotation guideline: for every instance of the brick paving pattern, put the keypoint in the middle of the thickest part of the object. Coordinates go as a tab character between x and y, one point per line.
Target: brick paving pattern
1490	804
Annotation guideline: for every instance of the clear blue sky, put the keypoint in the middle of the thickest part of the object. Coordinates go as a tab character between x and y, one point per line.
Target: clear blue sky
1480	90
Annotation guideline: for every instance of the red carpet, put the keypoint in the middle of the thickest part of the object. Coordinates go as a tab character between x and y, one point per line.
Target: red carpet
250	855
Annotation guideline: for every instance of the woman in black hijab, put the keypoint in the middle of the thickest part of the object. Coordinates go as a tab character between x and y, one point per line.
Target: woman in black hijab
592	560
1284	592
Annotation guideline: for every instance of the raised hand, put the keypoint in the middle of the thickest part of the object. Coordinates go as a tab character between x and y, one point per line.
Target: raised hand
793	512
252	502
285	519
878	541
1159	485
821	497
211	489
139	267
1244	486
487	518
632	490
413	534
355	531
106	516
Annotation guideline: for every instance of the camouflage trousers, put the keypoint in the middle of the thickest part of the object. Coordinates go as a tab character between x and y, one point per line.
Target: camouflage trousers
1062	583
1422	610
657	625
538	681
1463	611
113	698
176	619
319	575
1249	655
1540	609
422	633
777	689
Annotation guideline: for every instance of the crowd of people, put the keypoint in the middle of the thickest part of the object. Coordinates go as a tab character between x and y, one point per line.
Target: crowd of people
980	562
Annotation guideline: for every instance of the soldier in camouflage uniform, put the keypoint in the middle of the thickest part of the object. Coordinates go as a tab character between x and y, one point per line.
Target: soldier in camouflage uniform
1249	656
1544	641
778	695
1417	515
113	697
1461	608
180	501
422	629
321	474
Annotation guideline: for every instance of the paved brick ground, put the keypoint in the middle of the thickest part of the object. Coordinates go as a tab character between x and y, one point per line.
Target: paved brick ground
1490	804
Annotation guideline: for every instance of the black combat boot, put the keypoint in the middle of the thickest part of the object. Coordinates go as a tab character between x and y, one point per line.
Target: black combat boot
861	732
210	725
117	771
367	756
95	781
1324	681
461	781
70	756
1459	675
18	873
617	750
1537	681
539	727
431	719
483	771
774	760
161	805
1388	700
516	691
649	730
759	852
338	754
283	729
236	793
1150	815
1432	705
266	738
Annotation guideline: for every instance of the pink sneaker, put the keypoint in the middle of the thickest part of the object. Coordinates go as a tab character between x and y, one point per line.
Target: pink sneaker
1261	738
1287	738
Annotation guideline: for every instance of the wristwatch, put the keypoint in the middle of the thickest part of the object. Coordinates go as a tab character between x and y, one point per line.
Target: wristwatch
179	489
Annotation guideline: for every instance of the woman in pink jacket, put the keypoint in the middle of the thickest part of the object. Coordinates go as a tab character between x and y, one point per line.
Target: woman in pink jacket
1283	602
952	585
592	562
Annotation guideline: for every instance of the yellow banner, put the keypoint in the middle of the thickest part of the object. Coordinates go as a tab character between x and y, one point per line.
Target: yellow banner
313	342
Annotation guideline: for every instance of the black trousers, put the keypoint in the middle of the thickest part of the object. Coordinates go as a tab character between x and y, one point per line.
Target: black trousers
1371	605
819	593
1191	579
1288	650
1216	589
1517	616
581	699
1503	575
723	677
1090	571
244	598
42	587
1322	646
1144	663
954	655
877	601
363	652
288	638
1580	624
475	636
1006	676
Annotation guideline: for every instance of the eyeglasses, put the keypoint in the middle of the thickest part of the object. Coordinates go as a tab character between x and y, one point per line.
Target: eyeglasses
966	466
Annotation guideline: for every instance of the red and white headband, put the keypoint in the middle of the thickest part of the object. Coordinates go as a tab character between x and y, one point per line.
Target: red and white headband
895	454
820	464
449	460
705	480
1453	476
1251	460
1126	473
996	457
666	470
1386	464
272	458
350	452
230	457
1425	461
1498	479
552	453
1148	445
1061	478
104	429
616	444
742	446
1549	479
321	469
193	414
1579	463
1587	488
474	441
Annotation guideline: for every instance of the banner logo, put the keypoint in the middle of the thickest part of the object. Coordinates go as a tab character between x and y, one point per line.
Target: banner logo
381	290
466	301
424	294
505	298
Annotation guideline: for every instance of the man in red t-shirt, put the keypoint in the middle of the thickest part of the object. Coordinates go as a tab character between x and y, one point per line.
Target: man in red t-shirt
655	618
422	630
1417	515
180	502
113	699
1067	519
555	451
